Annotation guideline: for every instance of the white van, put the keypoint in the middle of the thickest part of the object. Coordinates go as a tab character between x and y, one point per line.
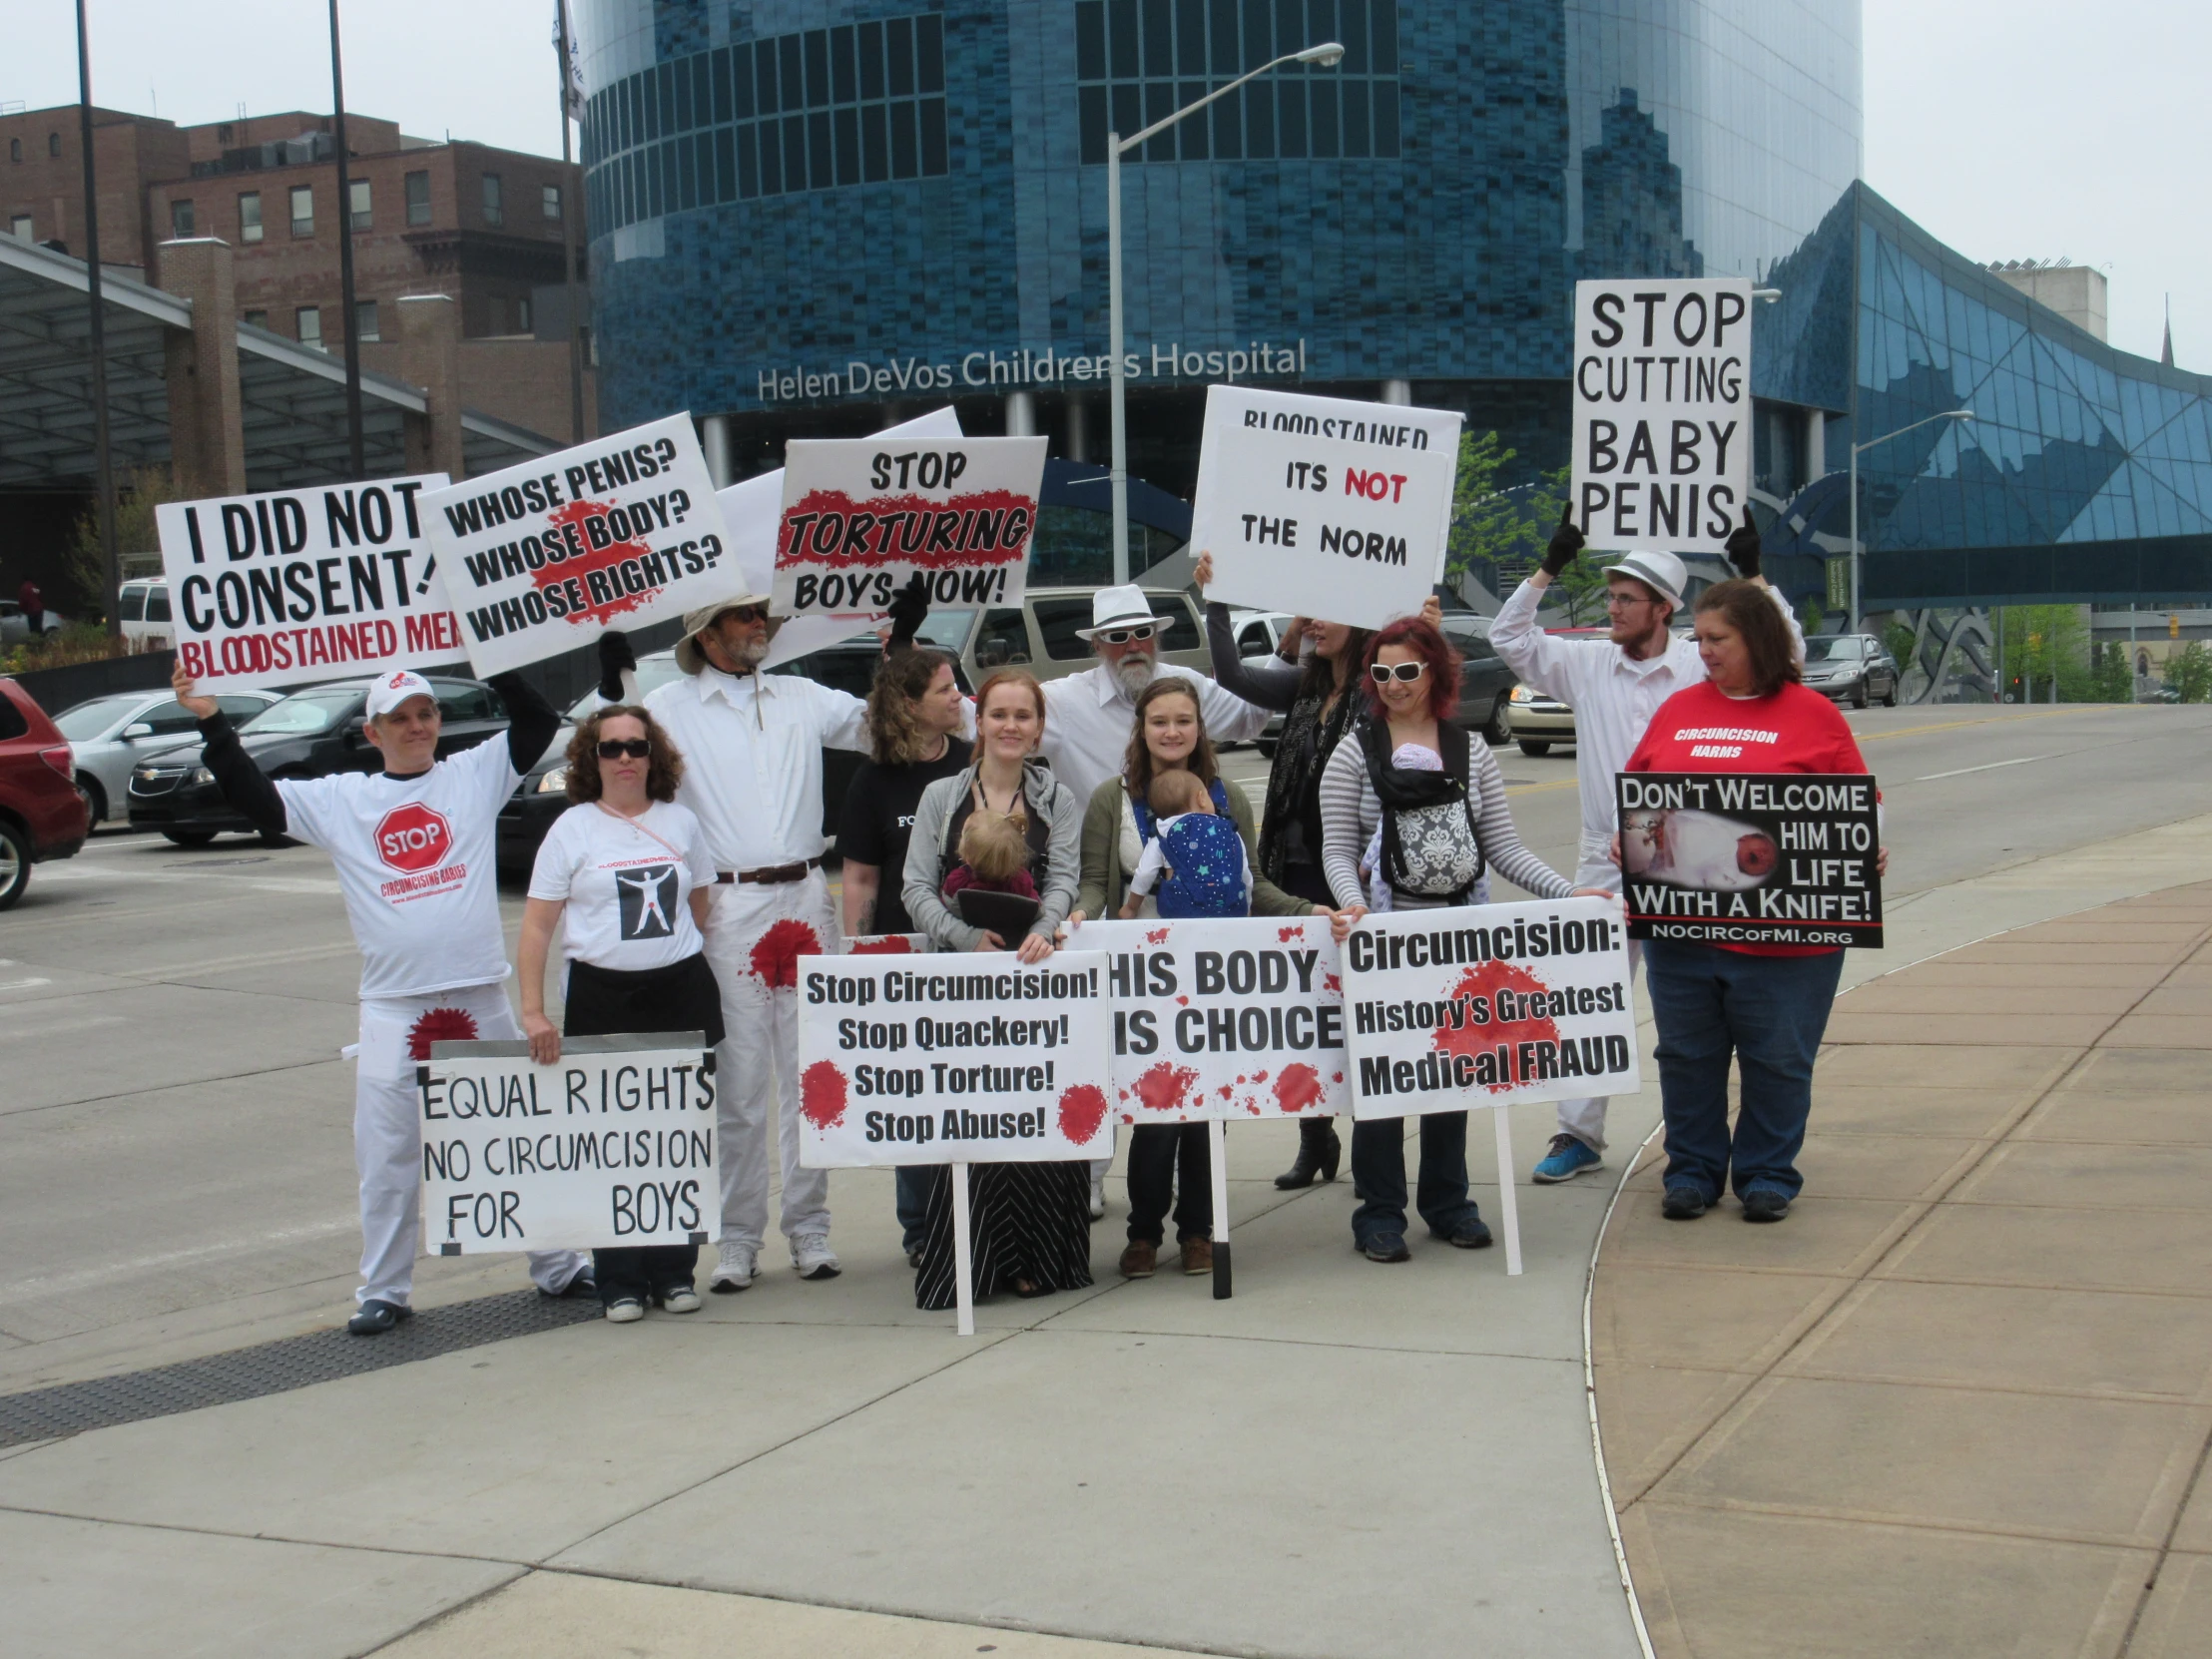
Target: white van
143	608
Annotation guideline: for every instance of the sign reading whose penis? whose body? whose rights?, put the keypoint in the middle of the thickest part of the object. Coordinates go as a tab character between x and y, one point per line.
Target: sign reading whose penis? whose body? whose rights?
1323	506
954	1058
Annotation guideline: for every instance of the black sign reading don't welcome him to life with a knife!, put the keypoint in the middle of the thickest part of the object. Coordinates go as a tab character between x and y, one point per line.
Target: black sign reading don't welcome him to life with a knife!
1751	858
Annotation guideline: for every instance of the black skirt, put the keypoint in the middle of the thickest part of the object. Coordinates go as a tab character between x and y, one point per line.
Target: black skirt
609	1002
1026	1221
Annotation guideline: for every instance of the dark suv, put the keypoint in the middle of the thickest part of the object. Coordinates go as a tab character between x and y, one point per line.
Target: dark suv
42	816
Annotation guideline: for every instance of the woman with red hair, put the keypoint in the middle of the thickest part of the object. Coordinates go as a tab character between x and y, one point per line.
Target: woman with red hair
1441	828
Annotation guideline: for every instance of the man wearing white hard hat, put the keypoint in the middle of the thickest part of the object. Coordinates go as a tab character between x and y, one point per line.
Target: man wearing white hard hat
415	848
1614	686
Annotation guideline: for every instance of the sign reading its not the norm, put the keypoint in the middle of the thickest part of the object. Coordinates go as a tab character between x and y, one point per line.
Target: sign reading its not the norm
319	583
953	1058
1235	1018
615	533
1768	857
614	1145
1662	410
862	516
1321	506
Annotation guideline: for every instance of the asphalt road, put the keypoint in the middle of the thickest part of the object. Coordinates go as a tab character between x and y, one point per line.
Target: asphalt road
174	1121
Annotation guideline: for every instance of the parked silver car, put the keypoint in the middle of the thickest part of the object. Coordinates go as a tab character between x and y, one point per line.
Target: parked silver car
110	735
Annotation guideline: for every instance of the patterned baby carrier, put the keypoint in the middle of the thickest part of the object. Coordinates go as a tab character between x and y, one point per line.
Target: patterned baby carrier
1429	848
1205	860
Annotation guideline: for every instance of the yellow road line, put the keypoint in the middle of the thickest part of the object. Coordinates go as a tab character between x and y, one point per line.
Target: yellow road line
1993	719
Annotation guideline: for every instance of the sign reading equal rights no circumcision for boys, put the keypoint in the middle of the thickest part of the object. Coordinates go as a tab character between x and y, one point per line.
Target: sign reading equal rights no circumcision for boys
614	533
944	1059
305	584
611	1146
1321	506
1488	1005
1662	410
862	516
1235	1018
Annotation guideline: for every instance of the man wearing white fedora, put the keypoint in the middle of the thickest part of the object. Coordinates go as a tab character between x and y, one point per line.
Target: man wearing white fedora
1614	686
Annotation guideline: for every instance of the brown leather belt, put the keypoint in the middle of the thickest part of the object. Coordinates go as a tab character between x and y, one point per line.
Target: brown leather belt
773	875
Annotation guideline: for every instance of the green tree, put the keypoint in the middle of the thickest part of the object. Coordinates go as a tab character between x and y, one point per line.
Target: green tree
2189	672
1902	642
138	491
1812	613
1500	537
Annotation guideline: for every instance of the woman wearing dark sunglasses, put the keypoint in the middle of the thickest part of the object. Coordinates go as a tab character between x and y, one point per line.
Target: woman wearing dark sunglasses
630	870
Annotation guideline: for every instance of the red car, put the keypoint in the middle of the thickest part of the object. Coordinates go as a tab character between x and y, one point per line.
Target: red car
41	813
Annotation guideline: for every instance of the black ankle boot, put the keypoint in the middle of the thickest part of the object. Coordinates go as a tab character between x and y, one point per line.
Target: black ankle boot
1318	1153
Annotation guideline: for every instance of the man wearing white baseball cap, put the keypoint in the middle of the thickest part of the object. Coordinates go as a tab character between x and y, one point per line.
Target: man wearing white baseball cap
1614	686
415	848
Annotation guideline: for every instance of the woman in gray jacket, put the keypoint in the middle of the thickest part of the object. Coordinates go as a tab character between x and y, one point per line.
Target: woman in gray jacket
1029	1223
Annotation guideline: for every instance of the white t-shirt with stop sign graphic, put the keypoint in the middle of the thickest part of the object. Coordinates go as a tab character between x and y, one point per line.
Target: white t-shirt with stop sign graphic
417	859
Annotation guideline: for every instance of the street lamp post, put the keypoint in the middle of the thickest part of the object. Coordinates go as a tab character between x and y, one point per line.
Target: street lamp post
1326	56
1857	622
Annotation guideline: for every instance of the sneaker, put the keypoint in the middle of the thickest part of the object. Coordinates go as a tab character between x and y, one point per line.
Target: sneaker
1198	1256
735	1268
1386	1247
1567	1158
627	1310
812	1257
1682	1203
374	1318
680	1299
1140	1259
1766	1203
1098	1198
1473	1234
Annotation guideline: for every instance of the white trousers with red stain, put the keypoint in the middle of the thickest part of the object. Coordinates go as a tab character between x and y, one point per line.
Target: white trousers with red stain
1585	1119
387	1134
754	935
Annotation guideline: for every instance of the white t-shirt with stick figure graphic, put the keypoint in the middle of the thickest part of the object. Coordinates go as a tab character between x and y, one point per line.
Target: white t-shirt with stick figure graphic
628	884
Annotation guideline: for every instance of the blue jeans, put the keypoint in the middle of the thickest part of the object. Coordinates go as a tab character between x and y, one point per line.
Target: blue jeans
1769	1012
1379	1174
910	1182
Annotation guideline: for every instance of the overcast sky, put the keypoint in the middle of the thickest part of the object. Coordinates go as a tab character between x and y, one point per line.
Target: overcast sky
2009	129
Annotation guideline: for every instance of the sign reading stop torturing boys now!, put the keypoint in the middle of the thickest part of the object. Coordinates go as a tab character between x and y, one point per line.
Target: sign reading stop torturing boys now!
306	584
1321	506
953	1058
614	533
1230	1019
1488	1005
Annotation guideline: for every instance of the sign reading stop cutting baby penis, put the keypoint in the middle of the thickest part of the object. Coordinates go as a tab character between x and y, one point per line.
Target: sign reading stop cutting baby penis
615	533
1488	1005
1231	1019
611	1146
952	1059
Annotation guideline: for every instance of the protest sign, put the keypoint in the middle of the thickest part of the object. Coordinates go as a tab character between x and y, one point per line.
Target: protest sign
1321	506
611	1146
614	533
319	583
978	1058
861	516
1230	1019
1751	857
1662	410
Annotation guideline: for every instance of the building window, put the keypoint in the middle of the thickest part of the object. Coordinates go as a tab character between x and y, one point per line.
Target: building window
418	199
20	225
223	133
53	143
522	316
364	320
15	149
311	325
250	216
179	219
256	319
303	210
493	215
358	188
552	200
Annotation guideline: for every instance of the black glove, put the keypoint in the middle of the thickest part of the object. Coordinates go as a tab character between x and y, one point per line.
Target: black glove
908	613
1566	542
615	655
1743	547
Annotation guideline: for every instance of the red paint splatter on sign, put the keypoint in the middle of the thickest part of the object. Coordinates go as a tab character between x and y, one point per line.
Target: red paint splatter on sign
439	1025
1082	1110
607	598
1332	984
1162	1088
1486	980
775	953
1158	936
1184	1000
1258	1077
1298	1087
822	1095
1285	935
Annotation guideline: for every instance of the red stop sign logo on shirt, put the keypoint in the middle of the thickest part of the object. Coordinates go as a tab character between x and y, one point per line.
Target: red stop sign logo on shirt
413	837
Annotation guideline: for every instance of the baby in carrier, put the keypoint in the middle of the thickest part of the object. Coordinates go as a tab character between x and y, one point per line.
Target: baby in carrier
994	858
1408	757
1194	841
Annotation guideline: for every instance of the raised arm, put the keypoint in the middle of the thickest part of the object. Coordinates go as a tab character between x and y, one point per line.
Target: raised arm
1744	553
531	721
1271	683
243	785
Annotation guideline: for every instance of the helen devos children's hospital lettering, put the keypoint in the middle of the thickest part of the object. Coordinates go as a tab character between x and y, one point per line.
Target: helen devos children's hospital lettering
900	1064
1753	859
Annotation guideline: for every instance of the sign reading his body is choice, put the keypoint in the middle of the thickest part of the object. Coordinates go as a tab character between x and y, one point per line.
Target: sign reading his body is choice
611	1146
1223	1019
1488	1005
1321	506
1751	858
862	516
1662	410
614	533
952	1059
305	584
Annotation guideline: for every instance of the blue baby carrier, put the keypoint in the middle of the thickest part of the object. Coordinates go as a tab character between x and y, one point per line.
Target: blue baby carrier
1205	858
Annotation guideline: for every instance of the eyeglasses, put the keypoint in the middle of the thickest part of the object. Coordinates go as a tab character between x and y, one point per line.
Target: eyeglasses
638	749
1384	673
1122	636
746	613
1622	601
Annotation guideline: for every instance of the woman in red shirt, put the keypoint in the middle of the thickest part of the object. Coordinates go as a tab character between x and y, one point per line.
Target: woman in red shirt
1767	1004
